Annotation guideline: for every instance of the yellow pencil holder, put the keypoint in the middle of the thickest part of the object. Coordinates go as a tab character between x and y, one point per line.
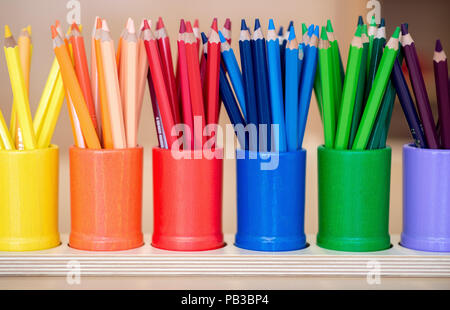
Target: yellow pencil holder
29	199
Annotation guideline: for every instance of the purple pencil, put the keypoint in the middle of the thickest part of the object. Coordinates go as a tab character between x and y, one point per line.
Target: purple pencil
420	92
442	92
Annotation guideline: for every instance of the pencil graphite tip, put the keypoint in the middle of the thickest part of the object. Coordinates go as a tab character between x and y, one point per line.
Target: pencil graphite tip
438	47
146	25
360	20
105	25
271	24
291	33
243	25
204	38
304	28
29	29
222	38
257	24
196	24
310	30
373	21
382	23
291	23
397	33
189	27
98	24
214	24
182	26
329	27
54	32
159	23
130	26
227	24
323	34
280	31
74	26
7	32
316	31
404	29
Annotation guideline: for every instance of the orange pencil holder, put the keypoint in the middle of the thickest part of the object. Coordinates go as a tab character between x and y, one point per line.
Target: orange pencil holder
106	199
187	202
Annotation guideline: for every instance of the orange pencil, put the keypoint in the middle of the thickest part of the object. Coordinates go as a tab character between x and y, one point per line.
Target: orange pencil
82	71
71	83
94	80
103	97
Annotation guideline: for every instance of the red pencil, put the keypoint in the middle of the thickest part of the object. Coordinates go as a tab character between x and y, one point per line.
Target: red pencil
82	71
184	84
226	30
212	74
195	86
151	47
196	31
167	65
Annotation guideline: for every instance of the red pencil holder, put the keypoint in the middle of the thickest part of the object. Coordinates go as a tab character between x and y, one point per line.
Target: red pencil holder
106	199
187	196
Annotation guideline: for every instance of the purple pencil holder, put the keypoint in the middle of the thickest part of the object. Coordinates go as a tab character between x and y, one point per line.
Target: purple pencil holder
426	199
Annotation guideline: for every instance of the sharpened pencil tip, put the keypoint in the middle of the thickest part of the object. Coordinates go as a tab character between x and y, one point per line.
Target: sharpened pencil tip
280	31
74	26
222	38
323	34
271	24
291	33
98	24
204	38
196	25
189	27
146	25
373	21
130	26
360	20
438	47
329	27
358	31
310	30
397	33
404	28
304	28
160	23
29	29
243	24
105	26
316	31
7	32
257	24
227	24
291	23
54	32
382	23
182	26
214	24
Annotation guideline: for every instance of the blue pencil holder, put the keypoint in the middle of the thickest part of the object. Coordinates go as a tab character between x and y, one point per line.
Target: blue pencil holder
270	200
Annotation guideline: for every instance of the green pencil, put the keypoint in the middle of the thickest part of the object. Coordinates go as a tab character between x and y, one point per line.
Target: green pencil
357	110
372	31
328	109
377	51
318	89
349	93
304	28
377	92
336	66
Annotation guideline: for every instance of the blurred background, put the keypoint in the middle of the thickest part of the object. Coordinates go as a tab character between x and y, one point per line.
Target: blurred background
428	20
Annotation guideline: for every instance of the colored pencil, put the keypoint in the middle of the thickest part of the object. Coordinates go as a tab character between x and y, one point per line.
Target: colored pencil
74	89
372	31
258	44
142	71
377	91
82	70
212	75
20	93
94	80
442	92
336	64
276	87
307	81
344	121
377	51
226	30
6	141
420	92
234	72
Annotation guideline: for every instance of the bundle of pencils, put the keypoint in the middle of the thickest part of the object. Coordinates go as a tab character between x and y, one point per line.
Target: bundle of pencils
357	105
25	132
425	132
190	98
274	89
104	104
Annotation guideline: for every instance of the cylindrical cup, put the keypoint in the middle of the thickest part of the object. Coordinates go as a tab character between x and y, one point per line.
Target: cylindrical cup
354	199
270	200
106	199
187	196
29	199
426	199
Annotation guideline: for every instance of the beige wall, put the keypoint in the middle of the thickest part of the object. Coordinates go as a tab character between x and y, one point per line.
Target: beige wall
41	14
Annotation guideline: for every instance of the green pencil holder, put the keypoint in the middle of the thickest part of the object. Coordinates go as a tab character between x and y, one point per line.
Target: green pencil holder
354	199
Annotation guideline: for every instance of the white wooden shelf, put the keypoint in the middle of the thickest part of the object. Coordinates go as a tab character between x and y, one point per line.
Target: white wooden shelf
228	261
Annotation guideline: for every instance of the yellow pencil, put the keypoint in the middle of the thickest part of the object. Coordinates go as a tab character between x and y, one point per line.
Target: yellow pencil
19	90
5	138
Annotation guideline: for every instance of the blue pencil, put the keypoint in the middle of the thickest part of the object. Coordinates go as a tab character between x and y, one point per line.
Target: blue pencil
283	53
258	44
276	88
291	92
233	71
247	74
307	82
